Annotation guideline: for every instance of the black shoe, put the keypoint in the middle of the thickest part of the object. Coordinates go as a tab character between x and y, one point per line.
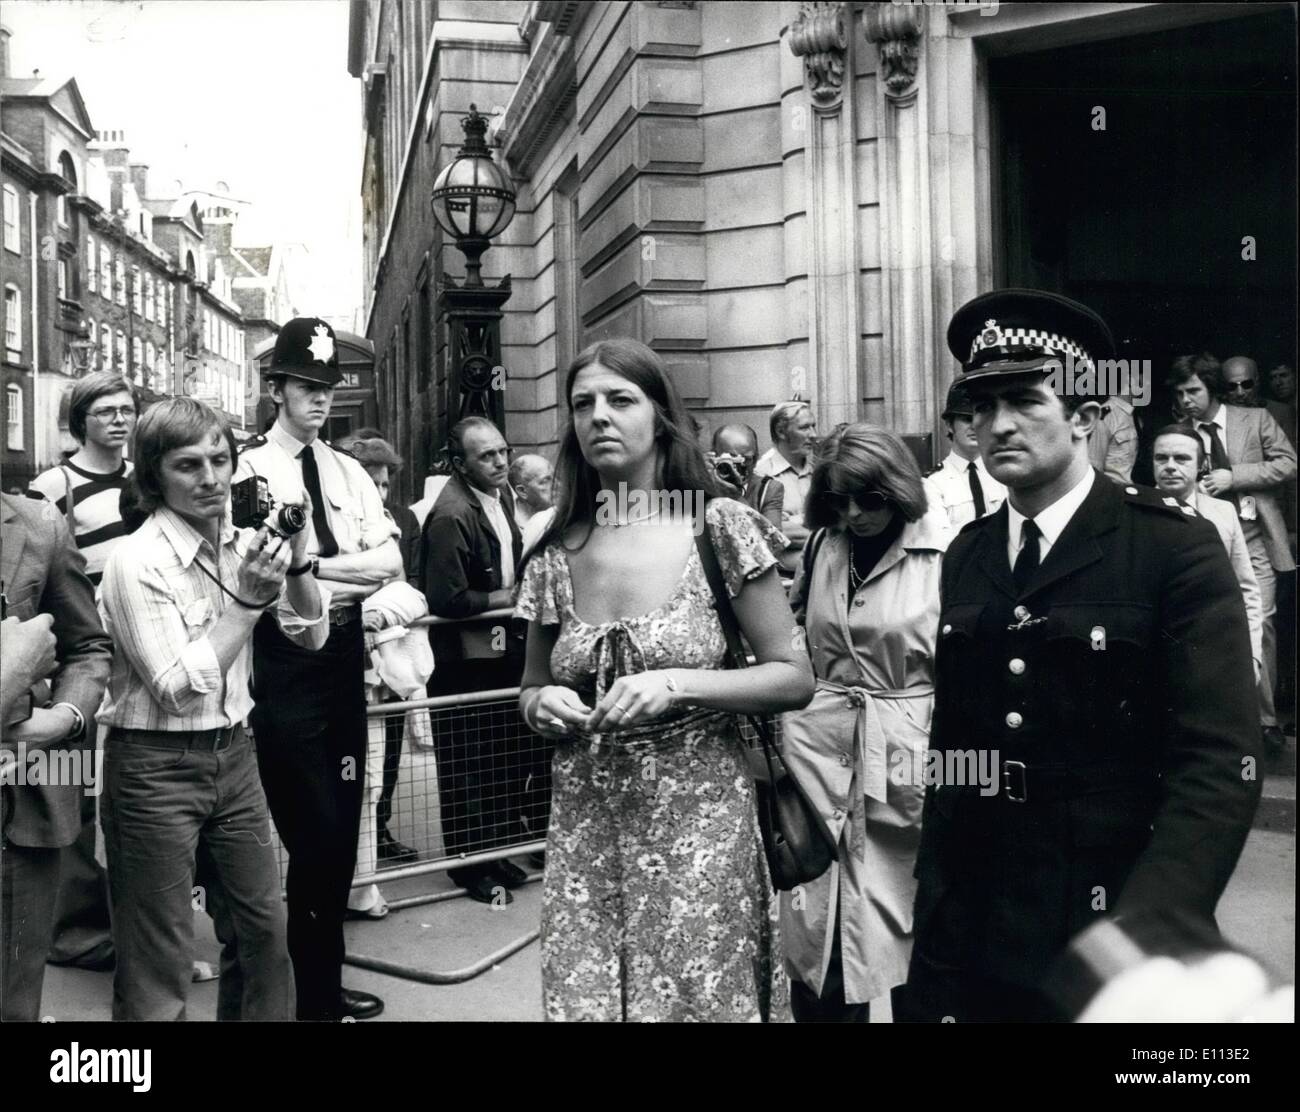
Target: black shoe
391	850
100	959
360	1005
511	875
537	860
1274	739
489	889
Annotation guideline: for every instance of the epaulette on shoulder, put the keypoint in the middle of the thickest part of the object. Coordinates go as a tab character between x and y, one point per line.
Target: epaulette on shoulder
976	523
933	471
343	451
1151	499
253	442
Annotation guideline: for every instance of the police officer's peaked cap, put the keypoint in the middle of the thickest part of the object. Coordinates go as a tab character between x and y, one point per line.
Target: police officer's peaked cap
1010	332
959	402
305	348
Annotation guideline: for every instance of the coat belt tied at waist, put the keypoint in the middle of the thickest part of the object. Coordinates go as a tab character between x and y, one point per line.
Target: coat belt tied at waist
869	735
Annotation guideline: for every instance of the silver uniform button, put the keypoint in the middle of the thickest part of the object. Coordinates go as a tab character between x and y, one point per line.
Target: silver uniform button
1020	613
947	629
1130	490
1016	666
1015	720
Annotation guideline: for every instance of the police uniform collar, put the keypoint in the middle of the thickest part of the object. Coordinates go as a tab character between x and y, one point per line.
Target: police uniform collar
183	537
957	462
1051	521
285	440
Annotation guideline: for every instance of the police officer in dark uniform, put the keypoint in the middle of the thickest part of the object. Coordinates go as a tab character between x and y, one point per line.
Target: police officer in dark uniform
310	719
1091	637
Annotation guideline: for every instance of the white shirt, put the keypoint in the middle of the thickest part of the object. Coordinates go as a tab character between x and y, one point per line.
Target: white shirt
1220	421
535	527
796	480
497	516
352	504
1051	522
949	486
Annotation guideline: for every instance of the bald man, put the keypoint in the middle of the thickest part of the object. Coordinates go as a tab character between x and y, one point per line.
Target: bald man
1241	381
530	478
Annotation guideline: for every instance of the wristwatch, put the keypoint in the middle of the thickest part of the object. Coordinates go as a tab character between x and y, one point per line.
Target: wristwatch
78	721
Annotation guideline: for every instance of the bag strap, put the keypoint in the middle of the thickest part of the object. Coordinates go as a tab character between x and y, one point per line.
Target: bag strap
727	619
810	552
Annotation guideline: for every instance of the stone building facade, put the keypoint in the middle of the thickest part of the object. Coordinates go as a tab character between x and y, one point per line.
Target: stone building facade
792	198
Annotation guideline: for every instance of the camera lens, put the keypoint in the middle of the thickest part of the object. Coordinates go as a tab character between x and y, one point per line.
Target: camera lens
291	520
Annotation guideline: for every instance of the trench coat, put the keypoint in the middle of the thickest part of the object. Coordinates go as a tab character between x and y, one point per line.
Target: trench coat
857	751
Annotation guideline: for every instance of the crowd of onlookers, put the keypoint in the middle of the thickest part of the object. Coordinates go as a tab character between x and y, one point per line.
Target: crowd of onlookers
170	609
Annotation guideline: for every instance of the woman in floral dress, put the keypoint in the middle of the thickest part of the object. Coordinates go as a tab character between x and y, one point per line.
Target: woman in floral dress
656	901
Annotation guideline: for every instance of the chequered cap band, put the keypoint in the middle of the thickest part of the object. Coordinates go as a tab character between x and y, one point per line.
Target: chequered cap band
993	336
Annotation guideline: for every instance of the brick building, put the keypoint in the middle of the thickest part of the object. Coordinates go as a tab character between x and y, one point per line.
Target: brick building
790	198
44	129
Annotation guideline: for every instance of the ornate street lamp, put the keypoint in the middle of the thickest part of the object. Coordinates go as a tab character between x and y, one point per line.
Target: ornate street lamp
472	198
473	202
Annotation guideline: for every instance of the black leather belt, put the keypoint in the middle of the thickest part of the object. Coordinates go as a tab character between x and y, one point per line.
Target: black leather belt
202	740
343	615
1023	783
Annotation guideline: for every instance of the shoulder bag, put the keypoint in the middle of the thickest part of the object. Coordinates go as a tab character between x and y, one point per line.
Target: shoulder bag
796	841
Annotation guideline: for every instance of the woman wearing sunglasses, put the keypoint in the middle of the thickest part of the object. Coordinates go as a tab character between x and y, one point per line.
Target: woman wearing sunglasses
867	595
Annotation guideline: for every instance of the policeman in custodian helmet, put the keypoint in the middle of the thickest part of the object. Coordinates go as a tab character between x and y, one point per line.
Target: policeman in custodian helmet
1093	649
310	717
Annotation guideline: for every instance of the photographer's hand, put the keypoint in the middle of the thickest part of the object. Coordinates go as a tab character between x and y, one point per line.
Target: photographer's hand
298	542
261	573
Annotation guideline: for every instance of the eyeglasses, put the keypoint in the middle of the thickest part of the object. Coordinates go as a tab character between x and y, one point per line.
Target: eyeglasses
108	412
869	501
1244	384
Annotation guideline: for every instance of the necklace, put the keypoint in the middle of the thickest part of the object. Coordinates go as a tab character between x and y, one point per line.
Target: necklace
855	579
637	521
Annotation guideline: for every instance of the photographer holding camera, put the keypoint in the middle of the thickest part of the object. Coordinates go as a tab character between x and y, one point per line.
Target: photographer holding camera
310	720
182	594
735	451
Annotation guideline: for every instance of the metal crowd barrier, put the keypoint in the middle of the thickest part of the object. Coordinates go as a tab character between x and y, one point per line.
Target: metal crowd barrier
471	786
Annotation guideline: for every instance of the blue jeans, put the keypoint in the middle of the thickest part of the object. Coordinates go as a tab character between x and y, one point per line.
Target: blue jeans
160	807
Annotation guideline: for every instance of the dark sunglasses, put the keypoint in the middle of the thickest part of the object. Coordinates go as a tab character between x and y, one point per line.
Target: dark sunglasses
1244	384
869	501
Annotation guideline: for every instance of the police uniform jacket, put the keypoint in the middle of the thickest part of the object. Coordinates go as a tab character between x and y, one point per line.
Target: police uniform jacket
1118	691
949	486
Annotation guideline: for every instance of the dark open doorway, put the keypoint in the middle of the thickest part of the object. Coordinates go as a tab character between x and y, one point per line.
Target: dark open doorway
1145	220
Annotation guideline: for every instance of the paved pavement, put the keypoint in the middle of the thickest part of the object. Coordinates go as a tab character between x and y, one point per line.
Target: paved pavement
1257	913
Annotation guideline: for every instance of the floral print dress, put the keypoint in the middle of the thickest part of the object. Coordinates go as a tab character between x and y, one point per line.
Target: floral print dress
656	902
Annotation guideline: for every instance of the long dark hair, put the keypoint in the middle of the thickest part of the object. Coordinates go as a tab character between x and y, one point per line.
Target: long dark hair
681	462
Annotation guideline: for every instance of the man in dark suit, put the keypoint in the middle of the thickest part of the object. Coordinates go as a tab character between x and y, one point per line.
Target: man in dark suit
472	546
43	573
1093	637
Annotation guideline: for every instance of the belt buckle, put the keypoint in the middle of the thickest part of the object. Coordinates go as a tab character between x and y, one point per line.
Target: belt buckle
224	734
1013	793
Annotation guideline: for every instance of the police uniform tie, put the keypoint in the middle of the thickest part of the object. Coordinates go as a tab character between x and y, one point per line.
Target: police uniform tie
1218	457
326	545
976	490
1027	559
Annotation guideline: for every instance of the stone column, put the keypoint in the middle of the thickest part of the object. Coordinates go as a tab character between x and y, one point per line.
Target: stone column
896	31
821	35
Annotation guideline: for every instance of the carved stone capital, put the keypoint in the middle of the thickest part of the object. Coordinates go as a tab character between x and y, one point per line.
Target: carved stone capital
818	36
896	31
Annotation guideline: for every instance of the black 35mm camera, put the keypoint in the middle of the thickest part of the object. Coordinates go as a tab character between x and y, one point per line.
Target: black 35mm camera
251	507
730	468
